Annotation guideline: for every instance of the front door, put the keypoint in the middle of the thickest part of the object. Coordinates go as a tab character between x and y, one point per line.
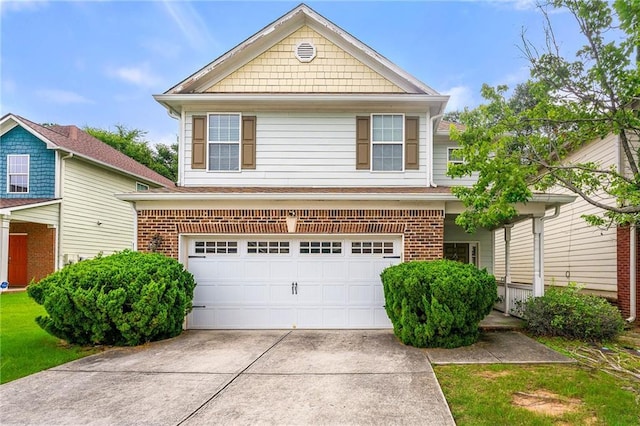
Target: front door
18	260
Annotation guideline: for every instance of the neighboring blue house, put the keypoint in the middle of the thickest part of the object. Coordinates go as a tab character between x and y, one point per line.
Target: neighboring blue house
57	203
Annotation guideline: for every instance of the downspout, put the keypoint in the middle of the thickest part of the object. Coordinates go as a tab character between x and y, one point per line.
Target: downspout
633	271
59	263
430	182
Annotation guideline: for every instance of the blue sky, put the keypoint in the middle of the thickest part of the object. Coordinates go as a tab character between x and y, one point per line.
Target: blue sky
98	63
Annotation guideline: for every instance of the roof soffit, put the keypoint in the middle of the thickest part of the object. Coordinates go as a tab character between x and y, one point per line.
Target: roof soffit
277	31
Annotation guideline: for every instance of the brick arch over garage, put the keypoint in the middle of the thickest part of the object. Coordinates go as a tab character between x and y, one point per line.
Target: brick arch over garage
423	230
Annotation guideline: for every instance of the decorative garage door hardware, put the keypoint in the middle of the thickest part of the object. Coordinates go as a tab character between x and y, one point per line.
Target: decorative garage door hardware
294	288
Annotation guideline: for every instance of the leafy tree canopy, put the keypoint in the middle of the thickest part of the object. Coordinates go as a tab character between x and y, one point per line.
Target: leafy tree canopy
521	143
131	142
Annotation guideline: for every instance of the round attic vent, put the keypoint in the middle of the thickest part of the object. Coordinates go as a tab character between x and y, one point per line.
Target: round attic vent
305	51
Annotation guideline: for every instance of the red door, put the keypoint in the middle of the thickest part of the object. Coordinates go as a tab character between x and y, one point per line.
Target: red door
17	260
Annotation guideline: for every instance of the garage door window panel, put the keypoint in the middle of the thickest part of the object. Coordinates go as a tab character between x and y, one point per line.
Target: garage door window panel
268	247
216	247
372	247
320	247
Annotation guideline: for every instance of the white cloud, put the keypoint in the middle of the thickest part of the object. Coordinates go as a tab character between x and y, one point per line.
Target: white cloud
7	6
140	75
194	29
460	97
520	75
63	97
163	138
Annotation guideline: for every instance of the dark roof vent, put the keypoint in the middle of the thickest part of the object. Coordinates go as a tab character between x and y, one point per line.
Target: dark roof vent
305	51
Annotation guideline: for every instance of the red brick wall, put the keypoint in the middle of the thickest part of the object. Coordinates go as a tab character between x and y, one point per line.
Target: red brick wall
623	270
423	229
40	248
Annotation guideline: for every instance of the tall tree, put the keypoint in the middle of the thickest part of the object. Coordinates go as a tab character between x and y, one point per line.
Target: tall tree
520	144
131	142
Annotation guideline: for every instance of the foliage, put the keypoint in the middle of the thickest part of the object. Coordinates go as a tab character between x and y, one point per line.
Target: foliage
26	348
521	144
437	303
132	142
127	298
566	312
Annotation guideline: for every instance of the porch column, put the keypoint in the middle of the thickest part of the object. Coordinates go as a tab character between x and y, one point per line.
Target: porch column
507	268
4	248
538	257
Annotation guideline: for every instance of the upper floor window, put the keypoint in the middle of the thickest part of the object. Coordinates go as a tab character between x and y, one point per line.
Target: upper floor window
18	173
224	142
387	140
141	186
454	156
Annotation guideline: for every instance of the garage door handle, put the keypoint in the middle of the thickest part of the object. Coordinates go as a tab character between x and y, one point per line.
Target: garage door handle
294	288
199	306
197	257
391	257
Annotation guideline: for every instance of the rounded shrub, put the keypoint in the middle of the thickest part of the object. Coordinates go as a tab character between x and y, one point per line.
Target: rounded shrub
128	298
566	312
437	303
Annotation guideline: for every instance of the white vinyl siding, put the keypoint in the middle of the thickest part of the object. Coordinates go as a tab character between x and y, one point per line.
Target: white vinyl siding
441	147
47	215
573	250
484	238
304	149
93	220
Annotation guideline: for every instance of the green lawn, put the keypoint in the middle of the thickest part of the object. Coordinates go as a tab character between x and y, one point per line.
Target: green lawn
24	347
603	388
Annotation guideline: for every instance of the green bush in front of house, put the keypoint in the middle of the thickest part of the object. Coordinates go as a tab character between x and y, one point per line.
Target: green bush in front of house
128	298
437	303
566	312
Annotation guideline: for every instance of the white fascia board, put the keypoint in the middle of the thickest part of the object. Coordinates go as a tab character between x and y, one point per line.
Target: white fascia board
549	200
8	210
311	102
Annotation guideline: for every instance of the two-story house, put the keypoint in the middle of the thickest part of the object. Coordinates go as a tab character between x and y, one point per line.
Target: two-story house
308	163
57	204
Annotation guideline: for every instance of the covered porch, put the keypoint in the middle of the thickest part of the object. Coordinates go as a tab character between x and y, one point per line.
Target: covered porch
28	239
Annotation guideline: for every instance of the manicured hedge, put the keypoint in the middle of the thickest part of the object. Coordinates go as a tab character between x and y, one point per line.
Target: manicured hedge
127	298
437	303
566	312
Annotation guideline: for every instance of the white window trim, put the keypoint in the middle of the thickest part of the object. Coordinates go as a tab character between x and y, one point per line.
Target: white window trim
19	174
140	184
449	160
387	143
239	114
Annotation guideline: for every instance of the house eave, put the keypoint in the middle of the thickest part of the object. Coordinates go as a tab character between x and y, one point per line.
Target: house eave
303	101
8	210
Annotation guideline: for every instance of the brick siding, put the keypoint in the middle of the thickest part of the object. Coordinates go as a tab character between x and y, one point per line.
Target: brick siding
423	229
40	248
623	270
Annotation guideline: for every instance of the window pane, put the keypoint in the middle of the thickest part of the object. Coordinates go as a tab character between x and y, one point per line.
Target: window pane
224	156
18	183
387	157
224	127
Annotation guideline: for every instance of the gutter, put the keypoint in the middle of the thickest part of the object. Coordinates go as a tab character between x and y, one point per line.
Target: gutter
633	271
430	181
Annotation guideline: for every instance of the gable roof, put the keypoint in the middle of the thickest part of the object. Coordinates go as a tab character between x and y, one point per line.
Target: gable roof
73	140
279	29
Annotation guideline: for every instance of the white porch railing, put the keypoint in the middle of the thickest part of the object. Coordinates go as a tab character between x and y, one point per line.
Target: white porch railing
512	297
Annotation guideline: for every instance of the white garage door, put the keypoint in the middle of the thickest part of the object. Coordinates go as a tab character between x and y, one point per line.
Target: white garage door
284	283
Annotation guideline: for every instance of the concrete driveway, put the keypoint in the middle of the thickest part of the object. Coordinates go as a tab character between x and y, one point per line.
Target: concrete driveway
238	377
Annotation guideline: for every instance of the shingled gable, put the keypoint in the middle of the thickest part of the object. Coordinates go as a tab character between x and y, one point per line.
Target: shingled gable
74	140
273	33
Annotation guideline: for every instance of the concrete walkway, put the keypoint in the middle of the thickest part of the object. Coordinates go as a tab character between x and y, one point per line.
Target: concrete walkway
237	377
